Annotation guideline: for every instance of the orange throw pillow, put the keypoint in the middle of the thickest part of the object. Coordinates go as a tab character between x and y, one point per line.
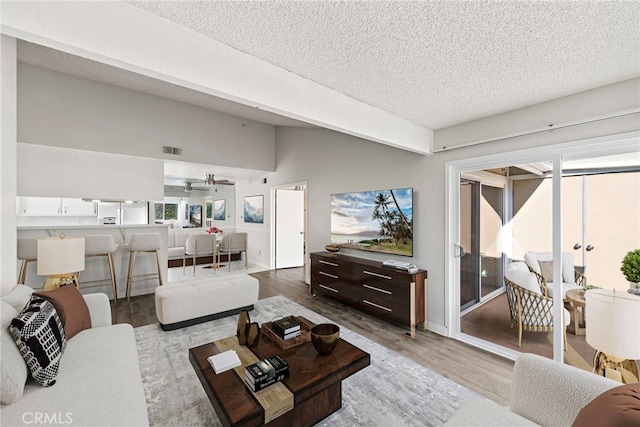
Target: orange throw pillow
71	307
619	407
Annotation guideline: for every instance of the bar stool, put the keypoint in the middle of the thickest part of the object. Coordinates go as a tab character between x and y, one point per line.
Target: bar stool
102	245
143	243
27	252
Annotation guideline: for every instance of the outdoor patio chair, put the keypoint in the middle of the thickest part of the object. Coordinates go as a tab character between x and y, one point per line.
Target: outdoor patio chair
528	307
541	263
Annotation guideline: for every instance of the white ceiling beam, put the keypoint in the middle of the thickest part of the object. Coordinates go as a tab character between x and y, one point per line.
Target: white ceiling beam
530	168
127	37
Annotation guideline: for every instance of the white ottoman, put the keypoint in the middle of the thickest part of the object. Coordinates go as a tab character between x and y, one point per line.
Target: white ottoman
200	300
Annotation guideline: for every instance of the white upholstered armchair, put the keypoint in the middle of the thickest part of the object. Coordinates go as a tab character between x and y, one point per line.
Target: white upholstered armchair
200	245
541	263
233	243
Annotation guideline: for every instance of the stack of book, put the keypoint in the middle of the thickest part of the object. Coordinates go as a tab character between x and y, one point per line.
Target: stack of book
266	372
286	328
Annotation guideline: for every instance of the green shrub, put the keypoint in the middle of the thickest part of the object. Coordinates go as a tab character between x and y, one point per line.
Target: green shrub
631	266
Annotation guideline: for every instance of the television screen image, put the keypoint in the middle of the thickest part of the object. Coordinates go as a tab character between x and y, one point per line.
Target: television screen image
376	221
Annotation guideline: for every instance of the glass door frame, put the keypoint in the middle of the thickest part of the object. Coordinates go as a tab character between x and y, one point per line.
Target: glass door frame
491	180
592	147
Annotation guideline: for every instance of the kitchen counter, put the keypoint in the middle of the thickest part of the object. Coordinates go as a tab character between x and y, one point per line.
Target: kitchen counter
94	278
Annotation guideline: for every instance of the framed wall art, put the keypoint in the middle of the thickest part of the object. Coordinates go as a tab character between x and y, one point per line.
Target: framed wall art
219	210
254	209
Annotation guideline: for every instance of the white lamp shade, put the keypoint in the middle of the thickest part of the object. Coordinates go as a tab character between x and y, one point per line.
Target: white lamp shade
60	256
613	323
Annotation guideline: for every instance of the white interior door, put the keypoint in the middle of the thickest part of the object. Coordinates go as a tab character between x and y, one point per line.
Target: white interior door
289	228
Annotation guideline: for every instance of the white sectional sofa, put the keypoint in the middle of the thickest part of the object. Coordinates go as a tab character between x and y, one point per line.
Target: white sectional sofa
201	300
98	383
543	392
176	239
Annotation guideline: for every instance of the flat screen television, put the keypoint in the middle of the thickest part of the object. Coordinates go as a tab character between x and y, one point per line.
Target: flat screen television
375	221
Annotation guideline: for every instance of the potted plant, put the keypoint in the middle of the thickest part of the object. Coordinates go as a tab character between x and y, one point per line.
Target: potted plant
631	267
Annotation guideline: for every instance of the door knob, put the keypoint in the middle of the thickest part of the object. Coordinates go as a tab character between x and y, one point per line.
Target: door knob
590	248
577	246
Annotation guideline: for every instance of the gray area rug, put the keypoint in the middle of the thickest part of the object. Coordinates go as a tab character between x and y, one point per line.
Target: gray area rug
392	391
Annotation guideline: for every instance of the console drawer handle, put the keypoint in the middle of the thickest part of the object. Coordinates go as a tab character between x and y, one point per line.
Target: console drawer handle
327	274
331	289
376	274
376	305
328	263
377	289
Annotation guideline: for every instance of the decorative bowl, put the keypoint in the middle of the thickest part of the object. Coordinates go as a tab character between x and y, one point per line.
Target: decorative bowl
332	248
324	337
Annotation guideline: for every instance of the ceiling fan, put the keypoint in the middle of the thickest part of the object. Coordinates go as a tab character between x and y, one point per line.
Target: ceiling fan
190	184
208	180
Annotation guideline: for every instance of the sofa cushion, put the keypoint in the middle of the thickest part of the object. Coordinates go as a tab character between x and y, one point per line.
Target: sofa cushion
71	308
524	279
39	335
13	370
533	260
180	238
546	270
99	383
618	407
175	252
18	296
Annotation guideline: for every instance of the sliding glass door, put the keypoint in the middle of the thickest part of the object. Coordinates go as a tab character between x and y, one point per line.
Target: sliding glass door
480	250
587	206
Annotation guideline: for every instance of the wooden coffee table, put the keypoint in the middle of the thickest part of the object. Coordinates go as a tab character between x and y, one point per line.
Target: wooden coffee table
315	382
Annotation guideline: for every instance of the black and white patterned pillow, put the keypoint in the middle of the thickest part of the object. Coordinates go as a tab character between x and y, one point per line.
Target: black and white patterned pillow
40	337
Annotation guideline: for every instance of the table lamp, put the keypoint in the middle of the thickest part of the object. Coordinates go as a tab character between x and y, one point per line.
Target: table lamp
613	329
60	258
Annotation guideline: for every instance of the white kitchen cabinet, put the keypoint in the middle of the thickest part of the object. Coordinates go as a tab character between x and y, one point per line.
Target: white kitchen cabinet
55	206
79	207
39	206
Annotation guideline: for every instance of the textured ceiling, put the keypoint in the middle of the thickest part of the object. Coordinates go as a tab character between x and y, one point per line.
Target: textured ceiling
435	63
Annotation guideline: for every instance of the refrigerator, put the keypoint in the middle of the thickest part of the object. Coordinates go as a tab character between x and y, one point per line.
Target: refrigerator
123	213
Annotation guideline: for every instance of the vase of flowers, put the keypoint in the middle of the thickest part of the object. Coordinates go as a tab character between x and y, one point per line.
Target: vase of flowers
214	230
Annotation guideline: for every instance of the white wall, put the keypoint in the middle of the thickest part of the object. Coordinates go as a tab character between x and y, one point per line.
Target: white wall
65	111
332	163
218	192
62	172
228	194
8	164
258	235
596	112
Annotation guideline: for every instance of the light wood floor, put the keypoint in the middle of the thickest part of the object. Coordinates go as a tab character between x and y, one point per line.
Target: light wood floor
482	372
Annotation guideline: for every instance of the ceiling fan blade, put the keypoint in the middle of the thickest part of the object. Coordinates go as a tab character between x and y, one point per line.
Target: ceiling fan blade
224	182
